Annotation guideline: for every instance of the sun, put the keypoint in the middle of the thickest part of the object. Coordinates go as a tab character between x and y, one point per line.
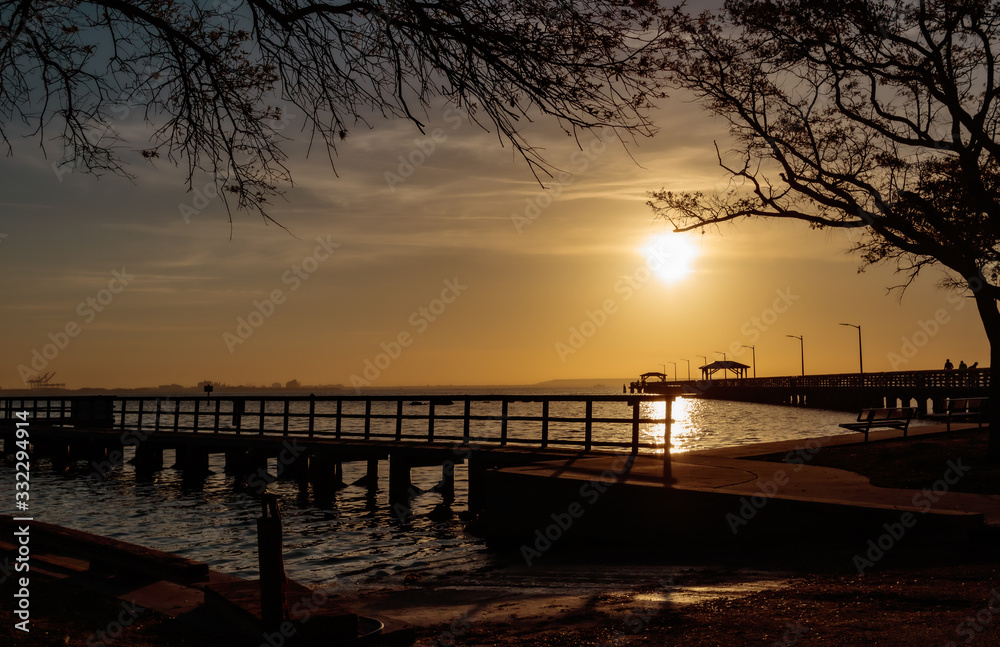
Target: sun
670	256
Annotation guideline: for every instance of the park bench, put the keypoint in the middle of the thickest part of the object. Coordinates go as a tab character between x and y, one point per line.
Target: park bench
893	417
961	409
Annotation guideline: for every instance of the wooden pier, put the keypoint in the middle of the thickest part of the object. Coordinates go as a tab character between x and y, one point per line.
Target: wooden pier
925	390
308	438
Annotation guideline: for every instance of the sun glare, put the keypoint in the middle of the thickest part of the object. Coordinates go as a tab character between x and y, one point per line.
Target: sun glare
670	256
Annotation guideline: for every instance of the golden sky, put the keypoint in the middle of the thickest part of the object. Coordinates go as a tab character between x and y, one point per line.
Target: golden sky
455	268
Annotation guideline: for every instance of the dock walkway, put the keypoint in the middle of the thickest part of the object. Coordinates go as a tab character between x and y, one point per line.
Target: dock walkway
723	493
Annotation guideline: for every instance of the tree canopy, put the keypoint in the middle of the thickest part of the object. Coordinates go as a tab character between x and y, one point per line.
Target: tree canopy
210	78
876	115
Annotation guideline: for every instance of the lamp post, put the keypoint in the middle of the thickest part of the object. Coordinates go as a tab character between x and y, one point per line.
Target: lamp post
861	357
753	353
704	360
802	350
675	369
689	369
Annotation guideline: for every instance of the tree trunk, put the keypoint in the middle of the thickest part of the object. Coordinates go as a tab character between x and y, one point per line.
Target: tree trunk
990	315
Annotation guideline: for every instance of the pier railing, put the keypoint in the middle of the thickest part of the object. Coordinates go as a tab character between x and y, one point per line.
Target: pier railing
569	421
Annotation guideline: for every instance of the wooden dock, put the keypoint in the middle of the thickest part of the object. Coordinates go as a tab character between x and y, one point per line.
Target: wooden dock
309	438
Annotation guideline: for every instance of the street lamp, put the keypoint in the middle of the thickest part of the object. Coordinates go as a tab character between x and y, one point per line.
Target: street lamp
675	369
802	350
689	369
861	357
704	363
753	352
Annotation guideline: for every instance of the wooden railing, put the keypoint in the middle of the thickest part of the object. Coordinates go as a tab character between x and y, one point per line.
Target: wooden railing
585	421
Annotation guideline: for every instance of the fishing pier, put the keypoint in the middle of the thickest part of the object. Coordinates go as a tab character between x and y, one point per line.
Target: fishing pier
925	390
309	438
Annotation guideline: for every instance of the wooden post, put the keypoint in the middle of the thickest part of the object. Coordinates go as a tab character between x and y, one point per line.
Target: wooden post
197	404
668	475
372	475
636	405
340	405
312	414
447	488
588	432
430	421
503	423
284	424
148	459
368	419
399	480
273	583
545	423
399	420
465	423
218	411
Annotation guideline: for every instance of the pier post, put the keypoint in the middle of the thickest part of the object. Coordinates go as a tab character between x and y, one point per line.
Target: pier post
372	475
195	460
235	462
477	468
447	488
325	477
58	450
399	479
148	459
296	468
273	583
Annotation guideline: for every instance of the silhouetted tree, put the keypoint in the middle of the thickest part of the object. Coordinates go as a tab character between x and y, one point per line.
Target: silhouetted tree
208	76
876	115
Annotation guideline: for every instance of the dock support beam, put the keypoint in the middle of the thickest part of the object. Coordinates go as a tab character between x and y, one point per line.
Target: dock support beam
447	487
148	459
399	480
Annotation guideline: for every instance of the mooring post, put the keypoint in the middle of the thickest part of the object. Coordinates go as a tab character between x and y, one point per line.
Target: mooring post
273	583
447	488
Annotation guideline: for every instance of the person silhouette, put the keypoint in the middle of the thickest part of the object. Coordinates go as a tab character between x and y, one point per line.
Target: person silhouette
948	365
961	365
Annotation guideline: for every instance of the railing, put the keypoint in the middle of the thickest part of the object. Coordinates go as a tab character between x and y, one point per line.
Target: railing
585	421
978	378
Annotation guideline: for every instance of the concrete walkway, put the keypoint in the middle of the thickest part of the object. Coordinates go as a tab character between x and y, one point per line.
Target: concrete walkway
729	471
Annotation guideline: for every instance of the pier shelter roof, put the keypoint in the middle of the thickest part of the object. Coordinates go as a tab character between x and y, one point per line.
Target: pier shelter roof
708	370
